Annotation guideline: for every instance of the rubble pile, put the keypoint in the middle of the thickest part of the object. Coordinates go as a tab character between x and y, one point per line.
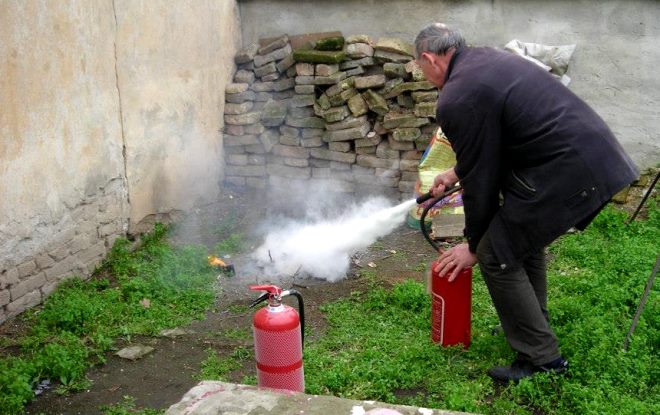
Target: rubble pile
350	114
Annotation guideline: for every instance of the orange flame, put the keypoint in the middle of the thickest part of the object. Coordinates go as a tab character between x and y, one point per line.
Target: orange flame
215	261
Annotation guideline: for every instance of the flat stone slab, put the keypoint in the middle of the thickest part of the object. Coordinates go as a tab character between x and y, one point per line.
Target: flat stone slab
212	398
135	352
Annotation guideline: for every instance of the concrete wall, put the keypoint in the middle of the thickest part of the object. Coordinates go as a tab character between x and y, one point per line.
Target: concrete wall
110	115
614	67
173	61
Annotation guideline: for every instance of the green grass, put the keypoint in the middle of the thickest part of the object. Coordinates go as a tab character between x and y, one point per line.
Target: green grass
127	407
377	346
378	343
237	334
217	367
80	320
230	240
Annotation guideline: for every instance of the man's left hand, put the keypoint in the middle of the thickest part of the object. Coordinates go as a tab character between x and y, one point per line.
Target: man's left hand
454	260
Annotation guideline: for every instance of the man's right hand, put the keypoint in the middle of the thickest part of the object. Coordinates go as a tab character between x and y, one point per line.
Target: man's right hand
443	181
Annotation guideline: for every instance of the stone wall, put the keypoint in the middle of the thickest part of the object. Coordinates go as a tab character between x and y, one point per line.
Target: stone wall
614	67
109	111
353	119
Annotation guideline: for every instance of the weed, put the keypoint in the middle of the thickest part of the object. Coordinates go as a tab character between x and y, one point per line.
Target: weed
230	245
249	380
377	245
127	407
215	367
370	276
230	242
421	267
239	308
227	225
74	386
237	334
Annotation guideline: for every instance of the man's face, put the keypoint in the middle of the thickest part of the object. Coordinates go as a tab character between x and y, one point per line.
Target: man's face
434	67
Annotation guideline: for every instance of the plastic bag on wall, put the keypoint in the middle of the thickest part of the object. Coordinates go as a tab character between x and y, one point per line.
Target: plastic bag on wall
553	59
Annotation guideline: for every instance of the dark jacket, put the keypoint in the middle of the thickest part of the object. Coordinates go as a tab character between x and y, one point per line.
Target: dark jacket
517	130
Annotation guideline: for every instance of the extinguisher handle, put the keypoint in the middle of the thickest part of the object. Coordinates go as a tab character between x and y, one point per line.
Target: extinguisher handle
272	289
263	297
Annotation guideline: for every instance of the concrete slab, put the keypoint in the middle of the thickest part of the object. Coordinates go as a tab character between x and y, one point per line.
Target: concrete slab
220	398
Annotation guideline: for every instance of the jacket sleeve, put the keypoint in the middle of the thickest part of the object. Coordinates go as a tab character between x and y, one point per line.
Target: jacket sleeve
475	136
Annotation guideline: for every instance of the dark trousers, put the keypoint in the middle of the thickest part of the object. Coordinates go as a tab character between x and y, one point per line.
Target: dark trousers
519	293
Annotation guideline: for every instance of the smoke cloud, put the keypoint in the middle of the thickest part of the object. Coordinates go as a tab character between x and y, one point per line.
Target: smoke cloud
322	247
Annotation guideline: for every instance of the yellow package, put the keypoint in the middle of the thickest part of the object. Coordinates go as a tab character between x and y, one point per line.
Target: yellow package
437	157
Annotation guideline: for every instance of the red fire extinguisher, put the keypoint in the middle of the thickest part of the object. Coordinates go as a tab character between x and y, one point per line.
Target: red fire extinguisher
451	308
451	303
278	339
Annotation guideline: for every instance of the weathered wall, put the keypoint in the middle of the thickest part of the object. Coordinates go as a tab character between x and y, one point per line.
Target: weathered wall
614	67
174	59
93	93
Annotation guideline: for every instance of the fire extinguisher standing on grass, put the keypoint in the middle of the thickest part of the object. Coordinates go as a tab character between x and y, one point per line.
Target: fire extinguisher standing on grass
451	302
278	339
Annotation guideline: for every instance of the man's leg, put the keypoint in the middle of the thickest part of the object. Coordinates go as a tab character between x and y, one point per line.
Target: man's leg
535	266
520	305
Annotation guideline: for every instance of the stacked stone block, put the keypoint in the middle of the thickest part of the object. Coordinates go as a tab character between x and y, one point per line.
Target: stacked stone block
356	118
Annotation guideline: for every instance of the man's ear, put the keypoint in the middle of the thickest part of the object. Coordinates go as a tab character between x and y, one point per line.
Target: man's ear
430	58
427	56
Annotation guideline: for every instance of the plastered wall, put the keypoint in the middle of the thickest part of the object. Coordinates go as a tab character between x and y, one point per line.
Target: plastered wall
614	67
110	118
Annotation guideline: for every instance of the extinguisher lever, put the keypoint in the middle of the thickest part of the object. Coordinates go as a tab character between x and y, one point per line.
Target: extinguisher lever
272	289
263	297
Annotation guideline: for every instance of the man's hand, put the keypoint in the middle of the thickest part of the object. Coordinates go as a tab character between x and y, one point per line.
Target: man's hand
443	181
455	260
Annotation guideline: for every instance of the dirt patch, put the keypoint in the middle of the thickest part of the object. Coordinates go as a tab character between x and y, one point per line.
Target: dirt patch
161	378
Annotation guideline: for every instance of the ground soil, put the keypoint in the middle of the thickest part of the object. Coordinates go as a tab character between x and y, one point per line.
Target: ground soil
160	379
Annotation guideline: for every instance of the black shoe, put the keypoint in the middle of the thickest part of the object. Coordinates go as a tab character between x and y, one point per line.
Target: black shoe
559	366
521	369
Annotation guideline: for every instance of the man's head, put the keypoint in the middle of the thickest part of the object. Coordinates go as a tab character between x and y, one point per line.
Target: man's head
434	47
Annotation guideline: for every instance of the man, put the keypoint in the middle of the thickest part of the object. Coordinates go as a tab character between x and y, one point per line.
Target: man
519	133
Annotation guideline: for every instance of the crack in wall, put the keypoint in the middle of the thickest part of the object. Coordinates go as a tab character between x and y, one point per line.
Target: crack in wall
121	113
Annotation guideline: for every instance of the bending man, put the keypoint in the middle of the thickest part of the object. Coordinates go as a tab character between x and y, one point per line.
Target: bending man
518	132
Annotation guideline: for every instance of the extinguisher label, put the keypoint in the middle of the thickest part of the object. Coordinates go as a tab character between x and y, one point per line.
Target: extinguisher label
438	319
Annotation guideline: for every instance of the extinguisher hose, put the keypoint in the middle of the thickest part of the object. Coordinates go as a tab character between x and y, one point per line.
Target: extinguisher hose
422	219
301	312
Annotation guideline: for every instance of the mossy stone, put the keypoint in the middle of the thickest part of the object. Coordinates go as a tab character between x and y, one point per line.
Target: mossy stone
330	43
318	56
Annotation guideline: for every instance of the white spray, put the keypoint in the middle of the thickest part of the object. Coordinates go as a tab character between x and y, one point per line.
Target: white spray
323	248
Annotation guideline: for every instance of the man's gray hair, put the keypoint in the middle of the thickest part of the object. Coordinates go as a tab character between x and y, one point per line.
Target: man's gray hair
437	38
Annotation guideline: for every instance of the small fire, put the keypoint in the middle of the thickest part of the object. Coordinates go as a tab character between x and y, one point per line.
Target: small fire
226	269
215	261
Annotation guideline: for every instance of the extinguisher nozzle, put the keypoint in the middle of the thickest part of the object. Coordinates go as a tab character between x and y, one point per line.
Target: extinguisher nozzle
423	198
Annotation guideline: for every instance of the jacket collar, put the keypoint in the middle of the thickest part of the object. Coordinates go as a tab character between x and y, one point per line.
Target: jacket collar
452	61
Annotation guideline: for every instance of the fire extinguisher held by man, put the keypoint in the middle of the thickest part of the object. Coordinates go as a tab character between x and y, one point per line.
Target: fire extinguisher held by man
519	133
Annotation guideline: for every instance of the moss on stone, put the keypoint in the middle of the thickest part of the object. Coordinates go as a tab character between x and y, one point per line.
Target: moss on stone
318	56
330	43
